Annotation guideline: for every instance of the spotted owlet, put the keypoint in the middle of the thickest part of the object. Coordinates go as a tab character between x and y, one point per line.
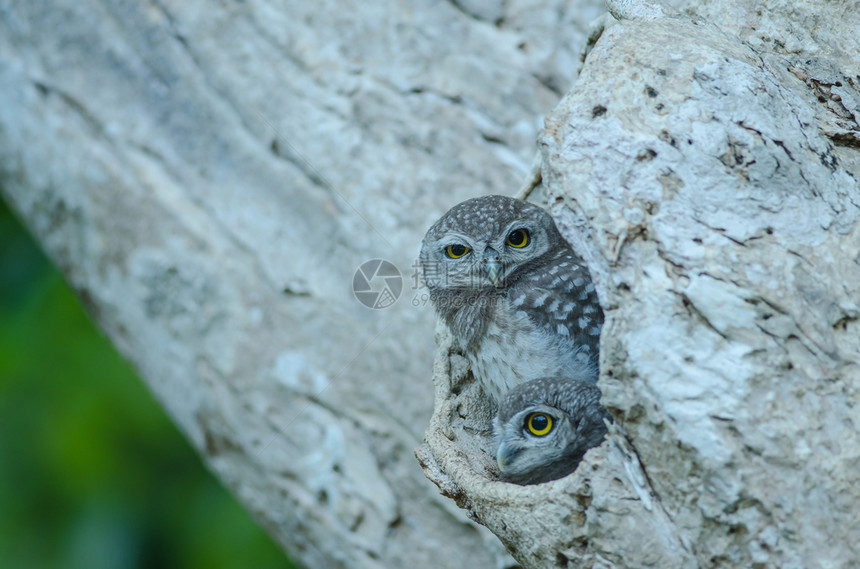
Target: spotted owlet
517	299
545	426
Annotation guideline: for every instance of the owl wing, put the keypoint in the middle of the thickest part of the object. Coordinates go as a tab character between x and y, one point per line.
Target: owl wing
561	299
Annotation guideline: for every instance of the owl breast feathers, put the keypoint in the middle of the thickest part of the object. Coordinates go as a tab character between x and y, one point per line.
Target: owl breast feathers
517	299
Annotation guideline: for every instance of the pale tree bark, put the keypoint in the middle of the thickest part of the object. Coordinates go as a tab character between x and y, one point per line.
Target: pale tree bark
706	165
210	175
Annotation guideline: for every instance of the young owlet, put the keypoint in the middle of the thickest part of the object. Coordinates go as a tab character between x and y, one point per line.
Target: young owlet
517	299
545	426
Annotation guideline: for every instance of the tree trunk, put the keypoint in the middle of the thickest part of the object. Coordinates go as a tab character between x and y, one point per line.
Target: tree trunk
209	176
705	166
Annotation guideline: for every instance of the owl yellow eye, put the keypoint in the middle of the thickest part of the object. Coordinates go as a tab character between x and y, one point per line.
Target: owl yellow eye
518	238
539	424
456	251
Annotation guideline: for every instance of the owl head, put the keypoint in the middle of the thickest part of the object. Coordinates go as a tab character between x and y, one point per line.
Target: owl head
545	426
483	243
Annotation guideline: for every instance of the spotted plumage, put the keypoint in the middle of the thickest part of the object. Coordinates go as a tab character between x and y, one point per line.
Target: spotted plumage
518	300
545	426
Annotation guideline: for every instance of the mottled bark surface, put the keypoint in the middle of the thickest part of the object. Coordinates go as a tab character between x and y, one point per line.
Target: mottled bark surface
210	175
705	164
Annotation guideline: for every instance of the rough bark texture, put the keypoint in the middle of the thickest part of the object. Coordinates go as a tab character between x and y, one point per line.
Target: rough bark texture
706	165
210	175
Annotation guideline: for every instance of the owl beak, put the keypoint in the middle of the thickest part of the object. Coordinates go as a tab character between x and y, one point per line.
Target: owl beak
505	455
492	267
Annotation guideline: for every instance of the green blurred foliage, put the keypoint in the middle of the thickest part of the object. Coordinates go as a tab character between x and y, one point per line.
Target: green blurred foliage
92	473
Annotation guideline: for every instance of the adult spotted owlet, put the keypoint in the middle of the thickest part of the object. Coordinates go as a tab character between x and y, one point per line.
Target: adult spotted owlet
517	299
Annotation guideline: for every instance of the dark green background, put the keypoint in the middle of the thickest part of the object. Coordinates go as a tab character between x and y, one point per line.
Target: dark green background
92	473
